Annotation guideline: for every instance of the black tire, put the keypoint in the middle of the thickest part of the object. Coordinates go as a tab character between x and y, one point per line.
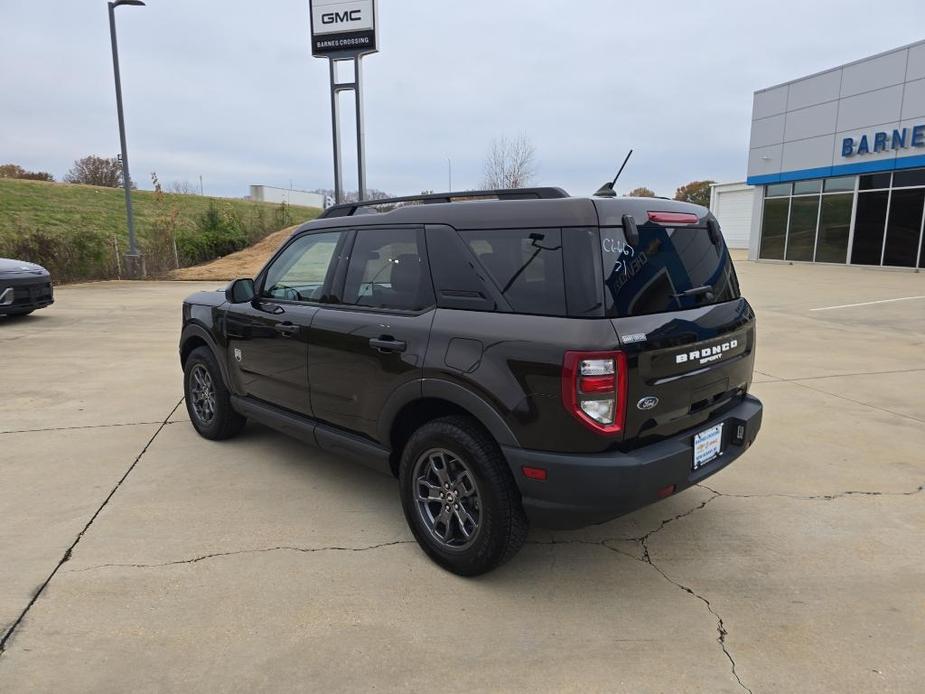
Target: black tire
24	312
224	421
502	526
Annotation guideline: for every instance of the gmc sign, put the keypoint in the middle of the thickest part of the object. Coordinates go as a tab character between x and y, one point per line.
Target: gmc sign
343	28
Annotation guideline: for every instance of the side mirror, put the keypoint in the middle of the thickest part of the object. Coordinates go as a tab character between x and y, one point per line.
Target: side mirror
240	291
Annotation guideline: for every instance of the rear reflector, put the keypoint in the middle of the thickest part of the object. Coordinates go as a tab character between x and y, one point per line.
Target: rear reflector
597	384
665	491
534	473
673	217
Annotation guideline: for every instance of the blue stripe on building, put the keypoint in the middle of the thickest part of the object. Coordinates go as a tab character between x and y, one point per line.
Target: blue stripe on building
839	170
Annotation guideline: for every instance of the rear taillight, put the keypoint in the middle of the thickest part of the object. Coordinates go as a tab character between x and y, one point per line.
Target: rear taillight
594	389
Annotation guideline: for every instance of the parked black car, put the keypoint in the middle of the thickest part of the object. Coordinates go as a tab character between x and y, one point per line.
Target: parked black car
533	358
24	287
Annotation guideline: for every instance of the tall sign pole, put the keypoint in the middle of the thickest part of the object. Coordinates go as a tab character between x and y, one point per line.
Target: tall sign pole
133	257
343	31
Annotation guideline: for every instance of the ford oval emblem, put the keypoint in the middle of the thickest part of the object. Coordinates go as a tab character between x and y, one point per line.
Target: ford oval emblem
647	403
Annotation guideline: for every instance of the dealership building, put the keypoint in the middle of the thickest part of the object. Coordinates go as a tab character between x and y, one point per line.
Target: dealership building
836	167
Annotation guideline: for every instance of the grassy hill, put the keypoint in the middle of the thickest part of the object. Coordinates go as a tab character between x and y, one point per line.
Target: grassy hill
74	230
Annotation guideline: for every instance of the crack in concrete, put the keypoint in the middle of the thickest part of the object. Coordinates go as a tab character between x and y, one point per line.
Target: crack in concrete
814	497
258	550
799	382
721	630
84	426
7	635
781	379
646	558
858	402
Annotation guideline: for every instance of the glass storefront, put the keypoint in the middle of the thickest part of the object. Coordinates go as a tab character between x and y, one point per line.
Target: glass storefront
874	219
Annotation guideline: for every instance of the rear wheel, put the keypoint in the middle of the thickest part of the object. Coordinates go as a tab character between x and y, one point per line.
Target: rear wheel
208	401
459	498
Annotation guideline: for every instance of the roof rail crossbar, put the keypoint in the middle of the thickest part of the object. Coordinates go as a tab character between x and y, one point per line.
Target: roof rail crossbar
350	208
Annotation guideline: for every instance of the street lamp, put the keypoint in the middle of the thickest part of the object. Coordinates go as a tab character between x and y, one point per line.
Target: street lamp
133	257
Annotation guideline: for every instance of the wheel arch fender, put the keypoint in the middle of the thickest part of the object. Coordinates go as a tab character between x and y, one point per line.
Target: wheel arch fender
195	335
452	393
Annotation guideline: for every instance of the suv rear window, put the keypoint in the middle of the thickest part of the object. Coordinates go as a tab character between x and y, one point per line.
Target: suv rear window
656	275
526	266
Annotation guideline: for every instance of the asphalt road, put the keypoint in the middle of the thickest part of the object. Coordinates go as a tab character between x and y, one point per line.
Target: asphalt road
136	556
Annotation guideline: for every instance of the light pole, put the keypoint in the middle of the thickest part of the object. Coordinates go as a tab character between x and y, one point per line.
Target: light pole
449	173
133	258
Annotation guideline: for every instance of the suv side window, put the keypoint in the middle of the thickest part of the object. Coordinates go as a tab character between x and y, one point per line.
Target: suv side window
298	274
387	270
526	266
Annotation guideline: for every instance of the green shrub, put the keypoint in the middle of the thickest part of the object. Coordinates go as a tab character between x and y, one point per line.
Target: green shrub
218	232
79	254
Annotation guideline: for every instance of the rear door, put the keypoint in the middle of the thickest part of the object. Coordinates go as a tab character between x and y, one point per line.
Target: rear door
689	336
267	339
372	338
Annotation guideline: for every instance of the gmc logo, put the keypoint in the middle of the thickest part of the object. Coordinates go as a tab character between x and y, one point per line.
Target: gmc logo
338	17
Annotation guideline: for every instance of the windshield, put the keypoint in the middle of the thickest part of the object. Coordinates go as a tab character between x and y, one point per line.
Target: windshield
670	269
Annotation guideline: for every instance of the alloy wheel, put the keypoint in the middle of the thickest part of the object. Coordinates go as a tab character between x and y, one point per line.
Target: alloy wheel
447	498
202	393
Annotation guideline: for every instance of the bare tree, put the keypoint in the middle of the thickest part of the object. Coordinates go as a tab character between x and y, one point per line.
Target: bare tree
511	163
96	171
184	188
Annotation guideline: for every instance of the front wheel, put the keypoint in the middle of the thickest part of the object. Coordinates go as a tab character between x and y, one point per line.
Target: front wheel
208	401
459	497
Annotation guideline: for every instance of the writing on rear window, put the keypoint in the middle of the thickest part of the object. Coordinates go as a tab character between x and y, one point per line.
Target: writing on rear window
668	269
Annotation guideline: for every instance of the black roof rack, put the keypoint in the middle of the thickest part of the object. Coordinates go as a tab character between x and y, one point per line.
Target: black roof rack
350	208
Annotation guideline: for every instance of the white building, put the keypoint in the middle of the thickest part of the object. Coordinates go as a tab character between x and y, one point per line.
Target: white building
837	165
300	198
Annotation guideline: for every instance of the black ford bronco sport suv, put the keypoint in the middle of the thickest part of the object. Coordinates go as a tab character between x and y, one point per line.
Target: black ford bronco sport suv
529	358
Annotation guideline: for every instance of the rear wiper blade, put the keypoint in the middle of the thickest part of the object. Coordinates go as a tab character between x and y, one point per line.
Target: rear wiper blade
694	291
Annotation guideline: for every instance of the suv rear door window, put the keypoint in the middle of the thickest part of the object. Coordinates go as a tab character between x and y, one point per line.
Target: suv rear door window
387	270
670	269
526	266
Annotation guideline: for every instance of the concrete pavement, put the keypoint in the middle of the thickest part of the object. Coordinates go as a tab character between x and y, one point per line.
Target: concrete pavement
136	555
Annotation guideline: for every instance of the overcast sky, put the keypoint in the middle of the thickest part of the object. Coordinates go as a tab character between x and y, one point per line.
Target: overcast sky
227	89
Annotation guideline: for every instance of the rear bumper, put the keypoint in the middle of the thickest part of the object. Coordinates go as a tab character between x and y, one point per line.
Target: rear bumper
585	489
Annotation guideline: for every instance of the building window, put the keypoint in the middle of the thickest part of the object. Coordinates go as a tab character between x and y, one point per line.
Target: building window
774	228
868	227
812	220
834	228
804	187
874	181
801	234
778	190
838	185
904	228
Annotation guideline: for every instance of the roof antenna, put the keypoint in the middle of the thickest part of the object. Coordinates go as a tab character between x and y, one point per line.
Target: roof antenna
606	190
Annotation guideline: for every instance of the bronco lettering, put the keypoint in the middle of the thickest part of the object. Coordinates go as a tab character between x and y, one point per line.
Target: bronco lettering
706	354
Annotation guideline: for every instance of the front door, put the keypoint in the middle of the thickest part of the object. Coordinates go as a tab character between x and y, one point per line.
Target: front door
268	338
373	339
